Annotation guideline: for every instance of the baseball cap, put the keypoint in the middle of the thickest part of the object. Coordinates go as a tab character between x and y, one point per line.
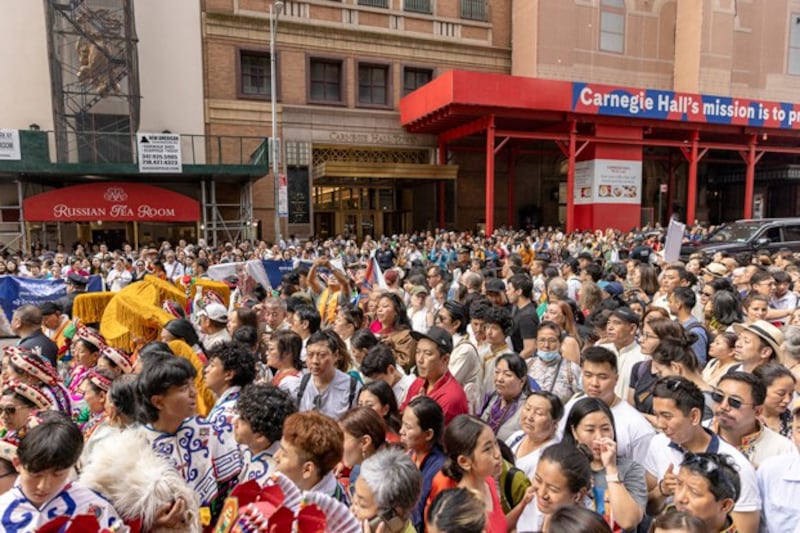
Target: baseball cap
439	336
215	311
495	285
626	314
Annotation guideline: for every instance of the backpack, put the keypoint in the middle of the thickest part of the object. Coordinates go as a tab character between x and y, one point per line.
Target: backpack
307	377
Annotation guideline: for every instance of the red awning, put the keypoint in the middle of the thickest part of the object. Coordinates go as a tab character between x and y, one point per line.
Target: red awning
111	201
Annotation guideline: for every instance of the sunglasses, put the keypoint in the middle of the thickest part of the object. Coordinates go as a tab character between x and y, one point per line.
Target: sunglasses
711	469
734	402
673	384
10	410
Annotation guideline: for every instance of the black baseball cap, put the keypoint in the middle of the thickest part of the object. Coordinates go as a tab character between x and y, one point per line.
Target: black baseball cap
495	285
439	336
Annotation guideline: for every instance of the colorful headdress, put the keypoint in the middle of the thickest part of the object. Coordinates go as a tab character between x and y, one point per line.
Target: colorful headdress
8	450
91	336
119	358
32	364
32	393
173	308
99	380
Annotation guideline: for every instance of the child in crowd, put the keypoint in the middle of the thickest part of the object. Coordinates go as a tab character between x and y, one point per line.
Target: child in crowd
310	448
262	410
45	460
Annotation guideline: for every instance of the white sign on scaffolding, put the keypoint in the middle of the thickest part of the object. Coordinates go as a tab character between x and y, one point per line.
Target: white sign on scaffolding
9	145
159	152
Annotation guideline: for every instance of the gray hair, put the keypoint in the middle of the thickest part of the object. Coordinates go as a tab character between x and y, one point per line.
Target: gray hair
557	289
394	479
791	342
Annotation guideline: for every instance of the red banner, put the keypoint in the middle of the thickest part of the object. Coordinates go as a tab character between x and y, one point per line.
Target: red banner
111	201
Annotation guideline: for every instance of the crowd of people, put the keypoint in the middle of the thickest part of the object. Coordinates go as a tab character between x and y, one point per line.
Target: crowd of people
531	381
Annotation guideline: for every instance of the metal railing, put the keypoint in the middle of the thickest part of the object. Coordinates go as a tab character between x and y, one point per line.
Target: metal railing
374	3
98	147
417	6
474	10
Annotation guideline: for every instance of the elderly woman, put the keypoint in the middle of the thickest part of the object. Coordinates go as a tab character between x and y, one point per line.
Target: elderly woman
539	421
501	407
551	368
387	491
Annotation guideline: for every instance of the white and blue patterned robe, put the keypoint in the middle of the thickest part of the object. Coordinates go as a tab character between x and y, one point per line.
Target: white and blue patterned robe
259	466
206	455
19	515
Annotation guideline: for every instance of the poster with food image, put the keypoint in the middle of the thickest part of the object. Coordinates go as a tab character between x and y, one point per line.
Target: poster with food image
618	181
584	182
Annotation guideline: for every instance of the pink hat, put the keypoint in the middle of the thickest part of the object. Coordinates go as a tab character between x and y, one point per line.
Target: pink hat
31	393
118	357
91	336
99	380
32	364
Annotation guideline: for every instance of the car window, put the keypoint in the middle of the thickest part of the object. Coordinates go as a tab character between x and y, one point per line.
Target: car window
735	232
791	233
773	234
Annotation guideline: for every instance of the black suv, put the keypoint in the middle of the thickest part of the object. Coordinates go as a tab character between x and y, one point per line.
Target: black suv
749	235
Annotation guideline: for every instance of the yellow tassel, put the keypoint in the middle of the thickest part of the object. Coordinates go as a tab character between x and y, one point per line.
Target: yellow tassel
89	307
134	315
166	290
219	287
205	398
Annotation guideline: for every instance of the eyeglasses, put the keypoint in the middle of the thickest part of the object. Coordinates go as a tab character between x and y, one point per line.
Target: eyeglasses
10	410
710	468
734	402
673	384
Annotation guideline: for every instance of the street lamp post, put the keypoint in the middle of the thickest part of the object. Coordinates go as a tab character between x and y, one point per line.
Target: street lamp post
274	13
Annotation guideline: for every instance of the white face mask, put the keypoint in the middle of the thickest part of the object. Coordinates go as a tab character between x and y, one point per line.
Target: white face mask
547	357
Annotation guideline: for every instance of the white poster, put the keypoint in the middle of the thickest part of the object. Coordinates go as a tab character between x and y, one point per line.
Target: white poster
617	181
584	182
159	152
9	145
672	246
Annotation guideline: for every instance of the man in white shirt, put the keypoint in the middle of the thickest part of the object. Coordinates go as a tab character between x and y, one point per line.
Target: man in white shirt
174	269
678	406
621	336
633	431
119	276
380	364
779	482
739	402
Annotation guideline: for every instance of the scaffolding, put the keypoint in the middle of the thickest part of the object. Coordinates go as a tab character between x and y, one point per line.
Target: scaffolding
95	79
227	221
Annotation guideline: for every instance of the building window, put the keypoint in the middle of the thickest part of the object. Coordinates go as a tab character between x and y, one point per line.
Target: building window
794	44
414	78
374	3
254	74
612	26
473	9
417	6
326	80
373	84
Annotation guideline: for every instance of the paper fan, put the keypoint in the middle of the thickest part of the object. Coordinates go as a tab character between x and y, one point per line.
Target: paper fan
292	494
337	515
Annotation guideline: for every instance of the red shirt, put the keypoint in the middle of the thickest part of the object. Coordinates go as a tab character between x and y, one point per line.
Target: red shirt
447	392
495	519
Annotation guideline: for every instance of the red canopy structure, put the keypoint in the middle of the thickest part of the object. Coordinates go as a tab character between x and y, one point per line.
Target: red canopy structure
590	121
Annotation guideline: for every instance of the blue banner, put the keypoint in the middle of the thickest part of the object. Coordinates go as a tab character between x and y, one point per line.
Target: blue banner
276	269
17	291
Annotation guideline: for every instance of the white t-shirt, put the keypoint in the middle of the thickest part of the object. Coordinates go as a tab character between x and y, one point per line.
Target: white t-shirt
633	431
626	357
527	463
661	455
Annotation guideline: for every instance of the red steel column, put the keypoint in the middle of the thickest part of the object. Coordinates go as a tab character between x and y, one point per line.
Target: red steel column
691	193
670	188
440	186
573	129
490	130
749	178
512	171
